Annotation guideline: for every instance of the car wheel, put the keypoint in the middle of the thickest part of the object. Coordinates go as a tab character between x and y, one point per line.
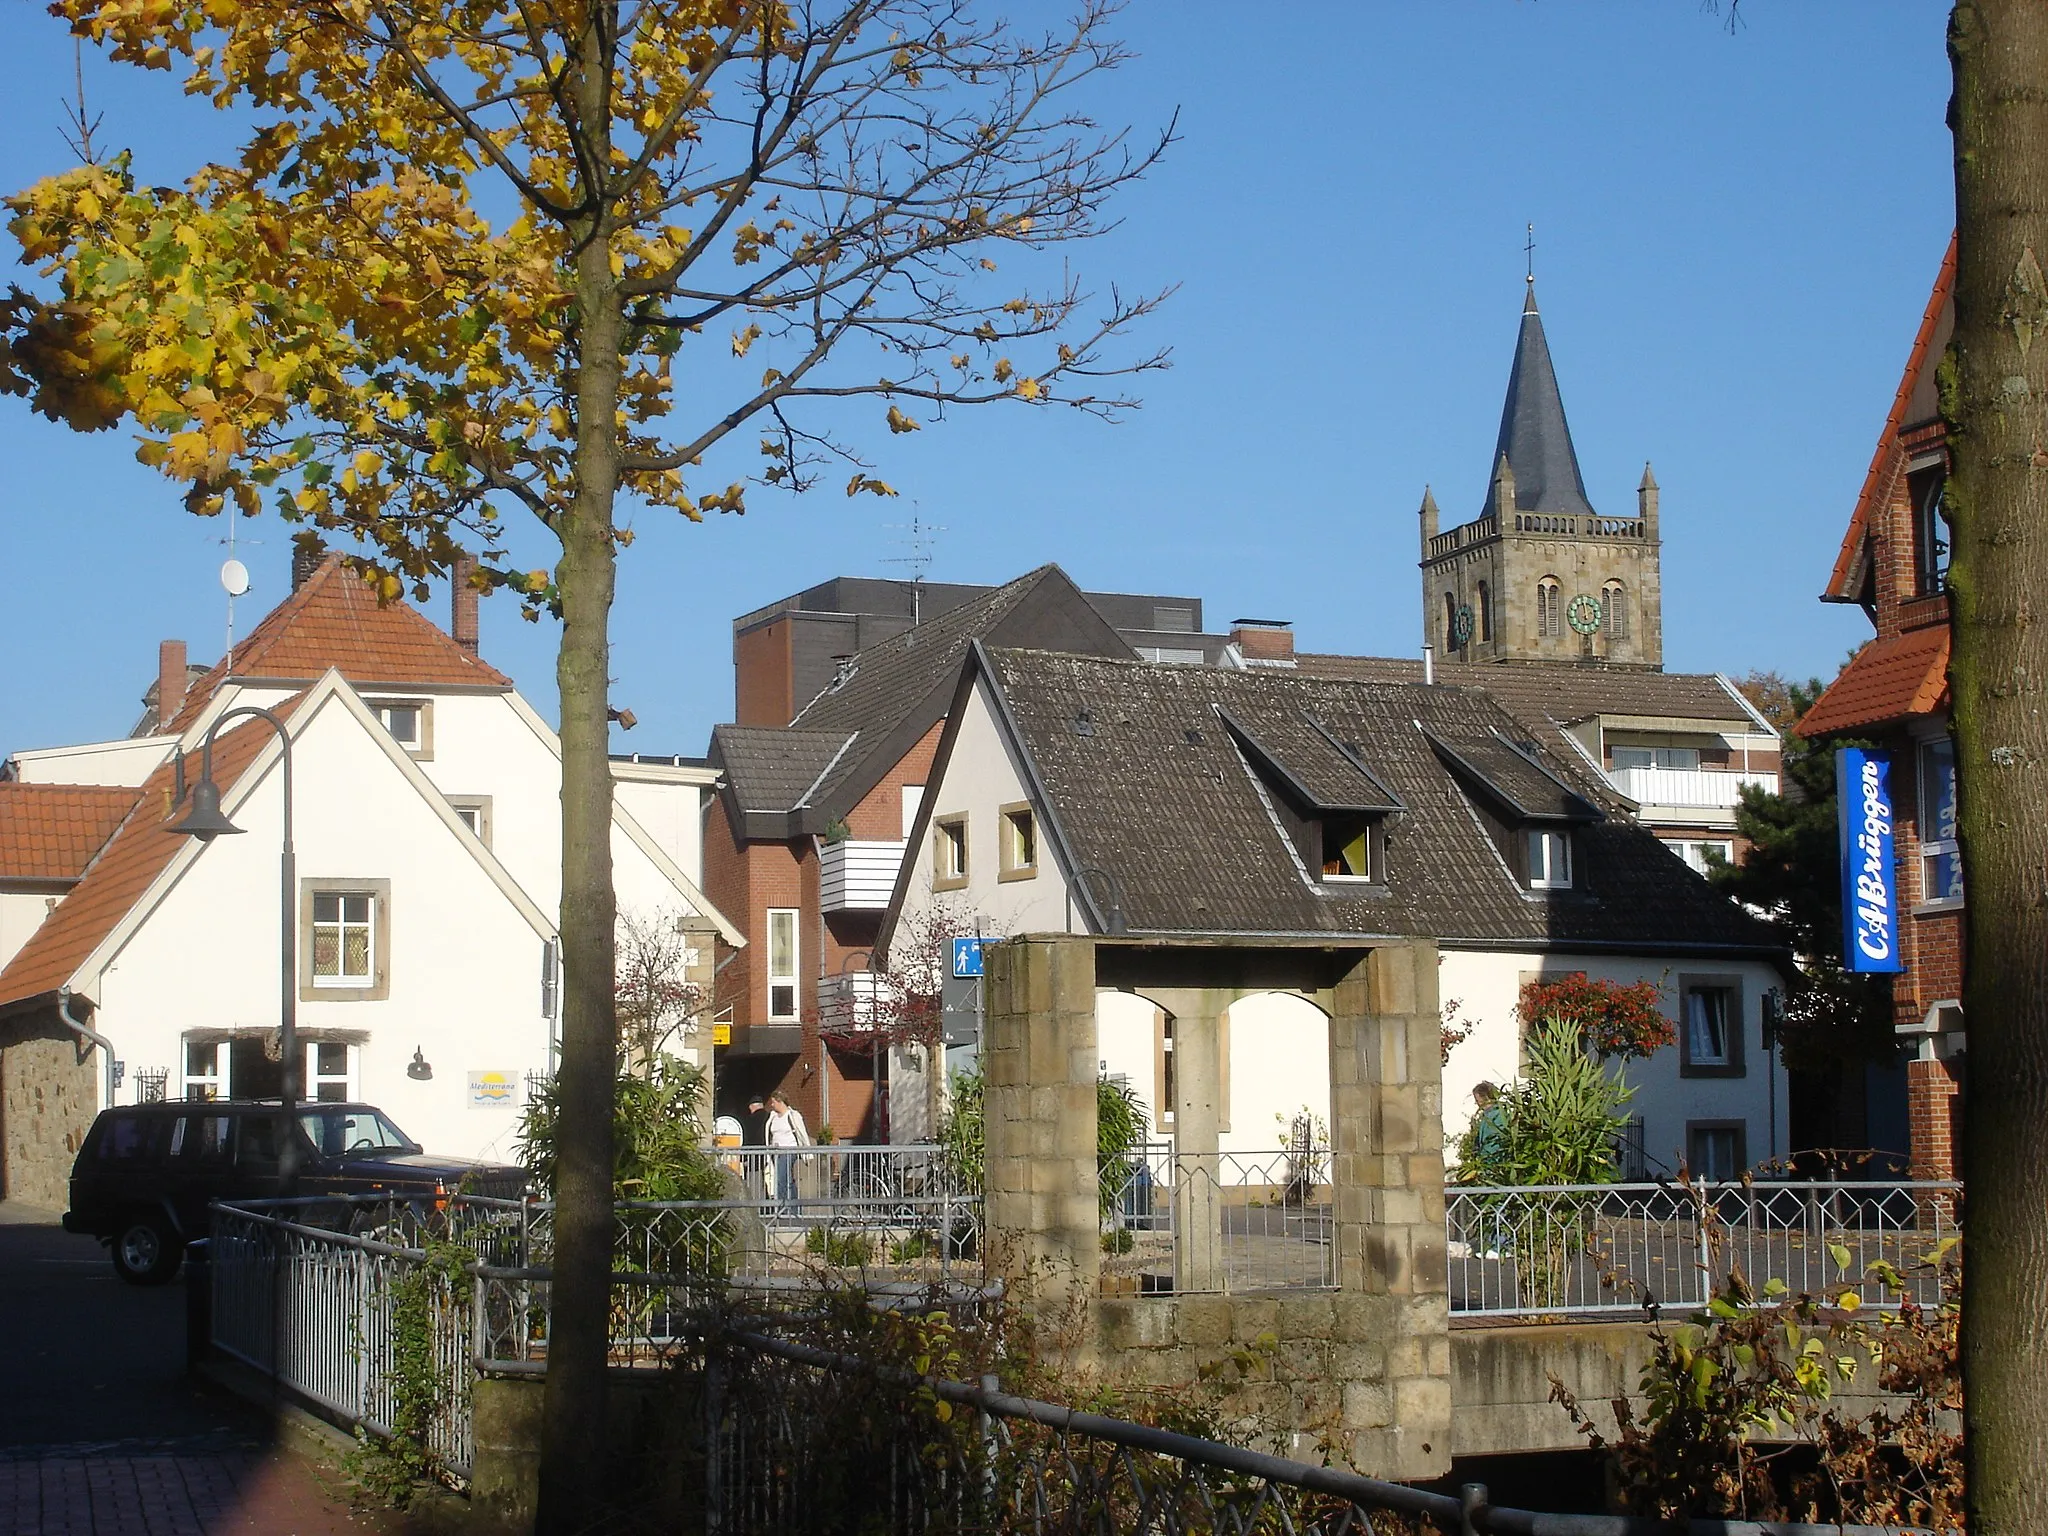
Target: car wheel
146	1251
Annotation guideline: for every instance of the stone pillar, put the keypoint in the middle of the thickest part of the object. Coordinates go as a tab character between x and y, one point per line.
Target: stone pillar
1197	1015
1039	1062
700	970
1387	1178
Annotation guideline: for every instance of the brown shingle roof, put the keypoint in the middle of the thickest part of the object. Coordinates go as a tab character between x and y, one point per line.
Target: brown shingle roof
138	852
334	620
1538	693
1886	680
1153	791
52	831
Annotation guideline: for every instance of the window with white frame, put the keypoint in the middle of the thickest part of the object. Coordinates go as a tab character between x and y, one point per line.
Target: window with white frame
782	963
1700	854
1710	1026
410	722
1550	859
344	939
949	853
1686	759
913	797
1941	857
329	1074
206	1070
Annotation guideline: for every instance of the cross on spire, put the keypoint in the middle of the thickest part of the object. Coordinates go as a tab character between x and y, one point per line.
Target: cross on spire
1529	253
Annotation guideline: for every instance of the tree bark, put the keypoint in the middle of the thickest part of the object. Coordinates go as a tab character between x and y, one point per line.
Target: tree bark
574	1429
1996	402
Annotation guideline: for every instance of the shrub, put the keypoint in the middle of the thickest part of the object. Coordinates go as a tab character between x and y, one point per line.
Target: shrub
1557	1125
1616	1021
848	1250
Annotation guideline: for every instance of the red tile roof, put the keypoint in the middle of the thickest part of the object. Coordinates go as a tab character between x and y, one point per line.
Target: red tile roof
138	852
52	831
1887	680
334	620
1842	581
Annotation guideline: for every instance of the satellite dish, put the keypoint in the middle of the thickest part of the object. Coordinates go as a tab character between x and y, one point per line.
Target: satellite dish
235	577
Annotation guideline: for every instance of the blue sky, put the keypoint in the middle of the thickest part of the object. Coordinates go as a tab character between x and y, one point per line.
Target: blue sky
1736	236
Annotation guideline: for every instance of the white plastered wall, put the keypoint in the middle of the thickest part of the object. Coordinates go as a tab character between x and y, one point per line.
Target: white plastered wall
125	764
463	962
1485	986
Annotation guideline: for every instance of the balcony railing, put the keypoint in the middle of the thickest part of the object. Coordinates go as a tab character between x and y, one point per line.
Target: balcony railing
1693	787
857	876
857	1000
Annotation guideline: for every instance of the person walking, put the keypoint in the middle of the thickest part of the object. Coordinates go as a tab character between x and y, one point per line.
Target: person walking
786	1129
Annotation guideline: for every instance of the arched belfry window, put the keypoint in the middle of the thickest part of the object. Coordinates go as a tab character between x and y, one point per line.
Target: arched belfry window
1482	617
1450	621
1549	607
1614	607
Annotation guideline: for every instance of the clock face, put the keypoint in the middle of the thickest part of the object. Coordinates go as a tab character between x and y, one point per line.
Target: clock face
1583	614
1461	625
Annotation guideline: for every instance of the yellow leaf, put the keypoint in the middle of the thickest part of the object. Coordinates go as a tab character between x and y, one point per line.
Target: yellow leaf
1028	388
898	422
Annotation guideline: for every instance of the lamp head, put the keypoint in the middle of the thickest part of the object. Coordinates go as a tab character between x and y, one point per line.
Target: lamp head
205	821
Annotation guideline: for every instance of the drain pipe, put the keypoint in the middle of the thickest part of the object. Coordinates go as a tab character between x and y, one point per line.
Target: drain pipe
88	1036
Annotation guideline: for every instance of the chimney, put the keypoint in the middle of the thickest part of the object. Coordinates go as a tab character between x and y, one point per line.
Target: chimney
306	559
1264	642
170	682
462	597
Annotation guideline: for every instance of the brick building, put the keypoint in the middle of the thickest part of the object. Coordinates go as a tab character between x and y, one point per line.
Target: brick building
1893	564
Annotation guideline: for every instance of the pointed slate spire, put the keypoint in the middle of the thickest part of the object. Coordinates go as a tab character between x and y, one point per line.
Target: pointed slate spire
1534	438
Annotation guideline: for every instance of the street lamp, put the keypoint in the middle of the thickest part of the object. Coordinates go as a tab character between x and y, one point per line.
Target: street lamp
205	821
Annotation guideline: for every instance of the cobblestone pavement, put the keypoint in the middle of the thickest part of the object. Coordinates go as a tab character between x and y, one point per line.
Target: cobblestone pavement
102	1432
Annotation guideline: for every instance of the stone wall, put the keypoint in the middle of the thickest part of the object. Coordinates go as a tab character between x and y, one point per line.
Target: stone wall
48	1098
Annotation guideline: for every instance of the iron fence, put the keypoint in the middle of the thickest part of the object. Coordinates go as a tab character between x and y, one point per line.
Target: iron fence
1225	1221
1608	1248
800	1440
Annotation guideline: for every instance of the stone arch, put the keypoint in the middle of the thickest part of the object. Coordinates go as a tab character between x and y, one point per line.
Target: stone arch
1549	607
1614	608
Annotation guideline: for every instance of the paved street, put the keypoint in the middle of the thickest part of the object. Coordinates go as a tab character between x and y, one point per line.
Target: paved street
102	1431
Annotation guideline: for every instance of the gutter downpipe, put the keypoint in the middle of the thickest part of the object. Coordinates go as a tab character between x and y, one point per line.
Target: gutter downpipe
90	1037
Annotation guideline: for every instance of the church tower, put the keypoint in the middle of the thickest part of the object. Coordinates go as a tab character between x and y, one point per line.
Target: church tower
1539	575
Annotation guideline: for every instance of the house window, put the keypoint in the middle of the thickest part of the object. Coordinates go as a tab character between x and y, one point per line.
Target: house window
1710	1026
1483	612
1550	860
344	940
1020	843
1700	854
206	1074
474	812
344	935
328	1077
1930	528
1549	607
782	957
410	722
913	797
1715	1150
1614	605
1684	759
949	853
1352	848
1941	858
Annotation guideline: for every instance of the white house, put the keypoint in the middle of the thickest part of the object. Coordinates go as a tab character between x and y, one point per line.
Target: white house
1073	794
426	827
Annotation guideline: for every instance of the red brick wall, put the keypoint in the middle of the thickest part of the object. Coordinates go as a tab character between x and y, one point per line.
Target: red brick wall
764	675
1934	1112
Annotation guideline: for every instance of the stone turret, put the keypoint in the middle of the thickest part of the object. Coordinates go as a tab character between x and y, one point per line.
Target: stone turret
1646	502
1429	518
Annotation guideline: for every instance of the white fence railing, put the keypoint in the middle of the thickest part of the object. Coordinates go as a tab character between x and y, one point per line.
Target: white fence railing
1608	1248
1226	1221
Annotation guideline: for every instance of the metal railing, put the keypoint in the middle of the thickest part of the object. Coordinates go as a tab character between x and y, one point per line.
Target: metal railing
802	1440
1608	1248
1235	1222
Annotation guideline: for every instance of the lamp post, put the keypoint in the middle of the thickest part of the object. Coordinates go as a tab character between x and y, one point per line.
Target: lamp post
206	822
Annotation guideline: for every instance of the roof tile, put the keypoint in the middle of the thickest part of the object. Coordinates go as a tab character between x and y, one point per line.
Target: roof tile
1886	680
52	831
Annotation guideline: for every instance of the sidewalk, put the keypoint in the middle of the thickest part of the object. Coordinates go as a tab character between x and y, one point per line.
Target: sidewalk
171	1490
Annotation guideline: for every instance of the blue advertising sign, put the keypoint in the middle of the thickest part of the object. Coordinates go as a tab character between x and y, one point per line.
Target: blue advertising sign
967	957
1870	888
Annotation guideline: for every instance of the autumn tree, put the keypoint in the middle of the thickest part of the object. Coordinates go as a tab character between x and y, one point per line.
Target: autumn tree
1994	393
484	260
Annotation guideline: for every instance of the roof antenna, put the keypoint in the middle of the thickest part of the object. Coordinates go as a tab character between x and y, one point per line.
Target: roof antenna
918	538
234	580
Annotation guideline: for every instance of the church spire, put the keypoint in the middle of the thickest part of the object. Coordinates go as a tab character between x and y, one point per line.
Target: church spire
1534	438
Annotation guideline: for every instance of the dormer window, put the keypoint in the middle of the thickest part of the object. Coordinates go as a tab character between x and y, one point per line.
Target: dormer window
1354	848
1550	859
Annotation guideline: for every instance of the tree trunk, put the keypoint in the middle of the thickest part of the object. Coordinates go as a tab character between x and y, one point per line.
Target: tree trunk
573	1453
1998	500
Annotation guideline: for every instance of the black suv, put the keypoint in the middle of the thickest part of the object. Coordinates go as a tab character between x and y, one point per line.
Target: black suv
146	1172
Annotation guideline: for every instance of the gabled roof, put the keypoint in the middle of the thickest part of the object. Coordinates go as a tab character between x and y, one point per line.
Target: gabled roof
1887	680
1513	777
783	782
1153	794
1543	694
52	831
1534	437
139	851
1913	403
334	620
1321	772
